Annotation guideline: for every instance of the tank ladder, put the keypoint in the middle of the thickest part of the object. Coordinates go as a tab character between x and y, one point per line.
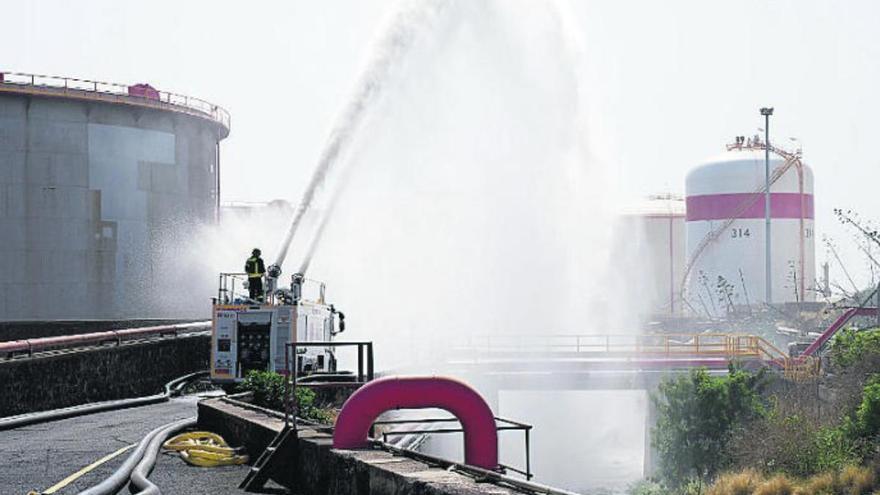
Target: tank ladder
791	159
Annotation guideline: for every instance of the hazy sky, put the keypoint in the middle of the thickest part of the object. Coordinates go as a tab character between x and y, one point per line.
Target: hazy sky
669	82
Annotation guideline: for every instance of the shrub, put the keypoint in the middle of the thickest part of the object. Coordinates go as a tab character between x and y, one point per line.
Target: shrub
739	483
834	449
867	417
778	443
267	388
268	391
777	485
850	346
696	415
856	480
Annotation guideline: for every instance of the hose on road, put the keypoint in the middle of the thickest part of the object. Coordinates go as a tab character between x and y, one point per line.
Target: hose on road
113	483
140	485
172	388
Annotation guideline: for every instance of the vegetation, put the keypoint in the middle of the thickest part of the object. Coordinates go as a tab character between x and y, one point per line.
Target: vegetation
851	480
851	346
696	416
740	434
268	391
741	483
723	436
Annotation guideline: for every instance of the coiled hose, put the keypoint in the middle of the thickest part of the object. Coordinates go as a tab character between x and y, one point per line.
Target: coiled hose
205	449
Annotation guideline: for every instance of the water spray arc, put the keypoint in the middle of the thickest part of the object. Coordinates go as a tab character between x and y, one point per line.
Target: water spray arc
413	19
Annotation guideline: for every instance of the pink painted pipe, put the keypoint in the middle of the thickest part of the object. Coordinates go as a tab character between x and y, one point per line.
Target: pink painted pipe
465	403
39	344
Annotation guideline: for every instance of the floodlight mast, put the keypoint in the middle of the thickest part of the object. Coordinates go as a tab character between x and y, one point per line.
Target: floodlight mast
767	112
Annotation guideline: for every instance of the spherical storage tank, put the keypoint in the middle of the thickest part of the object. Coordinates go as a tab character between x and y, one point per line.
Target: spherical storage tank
99	186
726	230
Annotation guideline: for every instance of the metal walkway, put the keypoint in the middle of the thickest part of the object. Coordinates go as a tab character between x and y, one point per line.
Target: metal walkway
660	352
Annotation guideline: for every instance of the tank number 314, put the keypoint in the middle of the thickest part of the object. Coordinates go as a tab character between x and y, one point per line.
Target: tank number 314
740	233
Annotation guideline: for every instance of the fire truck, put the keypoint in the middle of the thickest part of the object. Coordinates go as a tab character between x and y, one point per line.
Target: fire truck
251	335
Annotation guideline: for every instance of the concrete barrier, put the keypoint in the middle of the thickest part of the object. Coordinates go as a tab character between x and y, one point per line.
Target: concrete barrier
98	374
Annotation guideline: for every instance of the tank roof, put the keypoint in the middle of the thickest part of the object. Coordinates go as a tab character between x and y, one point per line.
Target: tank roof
659	205
139	95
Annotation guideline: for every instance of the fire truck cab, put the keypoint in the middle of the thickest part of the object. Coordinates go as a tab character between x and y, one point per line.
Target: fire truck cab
249	335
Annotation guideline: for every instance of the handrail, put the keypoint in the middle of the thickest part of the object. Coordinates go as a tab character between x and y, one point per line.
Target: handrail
506	425
836	326
72	85
673	346
654	344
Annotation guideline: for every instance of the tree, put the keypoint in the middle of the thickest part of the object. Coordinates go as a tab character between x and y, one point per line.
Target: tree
697	414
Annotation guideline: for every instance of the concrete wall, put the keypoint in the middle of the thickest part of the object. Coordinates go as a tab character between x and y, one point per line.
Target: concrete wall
107	373
91	197
314	468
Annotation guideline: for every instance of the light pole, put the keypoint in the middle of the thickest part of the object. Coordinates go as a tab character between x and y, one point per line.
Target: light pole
767	112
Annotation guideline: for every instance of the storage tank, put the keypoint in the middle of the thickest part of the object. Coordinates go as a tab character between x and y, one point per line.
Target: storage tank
653	234
726	229
100	185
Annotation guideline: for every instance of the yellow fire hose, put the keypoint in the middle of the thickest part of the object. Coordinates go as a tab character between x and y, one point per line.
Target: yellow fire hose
205	449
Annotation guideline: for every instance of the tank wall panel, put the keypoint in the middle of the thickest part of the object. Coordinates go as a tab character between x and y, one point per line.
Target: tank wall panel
745	251
90	194
57	169
13	133
12	167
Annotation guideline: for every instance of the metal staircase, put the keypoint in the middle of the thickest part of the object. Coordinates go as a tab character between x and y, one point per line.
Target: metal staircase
268	460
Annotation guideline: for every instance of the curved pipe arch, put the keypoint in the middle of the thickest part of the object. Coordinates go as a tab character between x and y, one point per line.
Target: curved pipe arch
466	404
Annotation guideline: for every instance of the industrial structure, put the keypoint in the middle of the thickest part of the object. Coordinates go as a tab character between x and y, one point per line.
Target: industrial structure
98	184
658	227
726	230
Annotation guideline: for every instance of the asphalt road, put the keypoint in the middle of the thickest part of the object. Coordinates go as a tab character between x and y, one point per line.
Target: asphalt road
38	456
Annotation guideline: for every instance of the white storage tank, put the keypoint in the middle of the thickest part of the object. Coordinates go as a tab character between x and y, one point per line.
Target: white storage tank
652	232
726	227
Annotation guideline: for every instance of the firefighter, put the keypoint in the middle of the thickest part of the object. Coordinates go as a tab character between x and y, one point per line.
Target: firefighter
255	270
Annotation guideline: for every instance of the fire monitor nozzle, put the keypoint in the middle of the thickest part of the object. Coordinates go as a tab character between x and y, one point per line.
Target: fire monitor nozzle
296	283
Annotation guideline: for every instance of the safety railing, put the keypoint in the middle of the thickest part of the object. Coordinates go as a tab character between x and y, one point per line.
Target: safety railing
232	289
28	347
501	424
138	93
365	369
671	346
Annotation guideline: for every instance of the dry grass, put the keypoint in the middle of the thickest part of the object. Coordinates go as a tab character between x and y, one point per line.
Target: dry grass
820	484
851	480
777	485
739	483
856	480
